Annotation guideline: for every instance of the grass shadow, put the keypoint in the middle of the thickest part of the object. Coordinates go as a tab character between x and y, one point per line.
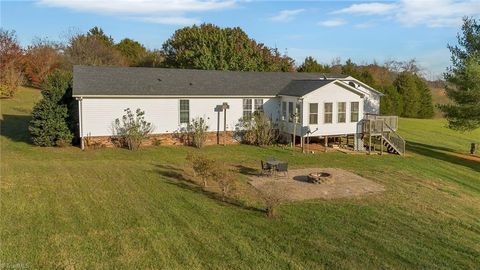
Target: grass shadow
176	176
247	170
15	127
441	153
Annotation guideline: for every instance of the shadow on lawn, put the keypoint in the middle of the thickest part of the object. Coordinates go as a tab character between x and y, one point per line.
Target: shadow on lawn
442	153
15	127
176	176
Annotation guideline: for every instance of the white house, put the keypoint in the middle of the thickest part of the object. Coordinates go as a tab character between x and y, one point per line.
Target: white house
326	104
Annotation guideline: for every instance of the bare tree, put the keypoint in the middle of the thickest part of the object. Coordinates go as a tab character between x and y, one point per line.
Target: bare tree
273	194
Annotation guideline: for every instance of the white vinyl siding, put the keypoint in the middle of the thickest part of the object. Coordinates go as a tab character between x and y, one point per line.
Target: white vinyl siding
184	111
342	112
99	113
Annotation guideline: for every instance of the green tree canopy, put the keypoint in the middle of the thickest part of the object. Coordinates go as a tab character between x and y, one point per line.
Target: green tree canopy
464	79
132	50
311	65
210	47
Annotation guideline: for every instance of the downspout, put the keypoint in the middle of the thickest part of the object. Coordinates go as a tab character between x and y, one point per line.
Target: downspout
80	122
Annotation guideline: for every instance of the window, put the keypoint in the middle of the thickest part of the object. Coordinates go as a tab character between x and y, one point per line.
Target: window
184	111
290	111
247	108
354	111
298	111
342	112
313	114
258	105
284	110
328	109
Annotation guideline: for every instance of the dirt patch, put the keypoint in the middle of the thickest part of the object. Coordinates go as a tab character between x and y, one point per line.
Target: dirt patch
466	156
342	184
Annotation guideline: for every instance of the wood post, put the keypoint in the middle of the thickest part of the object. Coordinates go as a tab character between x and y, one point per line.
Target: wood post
326	143
224	126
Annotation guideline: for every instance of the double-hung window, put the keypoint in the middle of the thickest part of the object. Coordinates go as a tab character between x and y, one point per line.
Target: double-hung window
342	112
354	111
290	111
258	105
247	108
313	115
184	111
284	110
327	112
298	111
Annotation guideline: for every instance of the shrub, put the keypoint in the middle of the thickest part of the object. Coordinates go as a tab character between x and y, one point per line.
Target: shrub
50	126
202	166
258	130
273	195
221	174
195	134
132	129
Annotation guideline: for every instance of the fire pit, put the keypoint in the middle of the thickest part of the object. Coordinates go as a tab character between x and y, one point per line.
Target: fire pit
319	177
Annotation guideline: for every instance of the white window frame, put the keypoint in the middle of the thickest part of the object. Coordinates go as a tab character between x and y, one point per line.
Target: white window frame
344	112
310	114
247	108
329	113
352	112
180	111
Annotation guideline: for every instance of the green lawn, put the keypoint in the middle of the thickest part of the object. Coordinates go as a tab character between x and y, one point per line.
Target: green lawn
112	208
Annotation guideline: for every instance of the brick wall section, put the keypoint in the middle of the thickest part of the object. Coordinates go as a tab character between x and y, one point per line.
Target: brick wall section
157	139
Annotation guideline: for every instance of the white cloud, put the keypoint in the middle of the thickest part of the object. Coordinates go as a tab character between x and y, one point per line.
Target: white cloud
139	6
363	25
367	9
432	13
170	20
332	22
159	11
286	15
436	13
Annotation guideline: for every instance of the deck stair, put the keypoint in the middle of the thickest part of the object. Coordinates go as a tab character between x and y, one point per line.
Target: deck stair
382	129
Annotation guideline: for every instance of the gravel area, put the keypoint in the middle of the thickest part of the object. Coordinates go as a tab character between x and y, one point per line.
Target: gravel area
296	186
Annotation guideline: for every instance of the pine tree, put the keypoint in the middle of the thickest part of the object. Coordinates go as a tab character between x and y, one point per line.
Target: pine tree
50	126
407	88
464	79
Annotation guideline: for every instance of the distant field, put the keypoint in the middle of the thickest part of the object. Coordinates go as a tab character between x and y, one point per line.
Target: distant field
113	208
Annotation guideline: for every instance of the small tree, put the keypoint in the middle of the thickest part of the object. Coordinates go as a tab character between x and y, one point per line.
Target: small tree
11	55
221	174
50	126
202	166
258	130
133	128
273	195
196	132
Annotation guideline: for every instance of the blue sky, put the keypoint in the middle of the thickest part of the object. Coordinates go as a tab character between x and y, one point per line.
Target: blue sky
362	31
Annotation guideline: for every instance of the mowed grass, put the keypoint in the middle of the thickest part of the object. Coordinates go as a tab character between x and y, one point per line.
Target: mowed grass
113	208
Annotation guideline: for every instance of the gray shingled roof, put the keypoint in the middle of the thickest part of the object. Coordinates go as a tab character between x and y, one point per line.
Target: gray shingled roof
105	81
299	88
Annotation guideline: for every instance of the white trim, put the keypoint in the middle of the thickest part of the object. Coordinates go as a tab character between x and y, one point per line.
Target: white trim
167	96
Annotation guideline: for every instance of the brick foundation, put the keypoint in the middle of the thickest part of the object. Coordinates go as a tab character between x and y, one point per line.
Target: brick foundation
156	139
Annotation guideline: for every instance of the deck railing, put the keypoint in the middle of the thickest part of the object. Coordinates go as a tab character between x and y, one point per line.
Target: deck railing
390	120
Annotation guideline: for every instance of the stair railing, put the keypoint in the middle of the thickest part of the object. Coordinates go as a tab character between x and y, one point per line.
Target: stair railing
395	139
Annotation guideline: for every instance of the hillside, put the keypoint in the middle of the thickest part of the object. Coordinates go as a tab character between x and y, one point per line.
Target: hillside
113	208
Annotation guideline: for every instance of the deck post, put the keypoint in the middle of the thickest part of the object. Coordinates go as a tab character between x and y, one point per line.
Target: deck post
370	138
381	138
326	143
